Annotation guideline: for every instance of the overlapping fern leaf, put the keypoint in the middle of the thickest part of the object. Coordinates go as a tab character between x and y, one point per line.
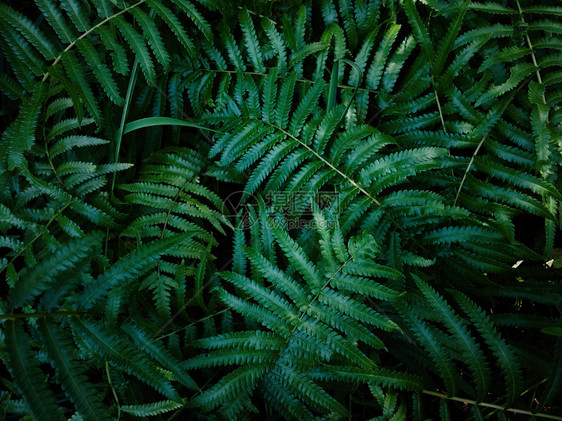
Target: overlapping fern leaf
54	305
87	52
394	243
284	132
169	199
70	283
502	161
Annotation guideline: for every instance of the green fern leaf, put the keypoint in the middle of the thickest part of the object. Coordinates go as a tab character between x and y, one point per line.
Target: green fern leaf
151	409
138	46
125	356
21	133
382	377
160	354
506	357
118	54
295	253
518	73
470	349
243	378
29	31
434	347
493	8
446	44
71	374
285	97
376	70
74	141
173	23
100	70
196	17
278	277
487	32
252	43
127	269
55	18
418	28
76	73
40	277
154	38
277	43
309	49
462	234
27	373
76	13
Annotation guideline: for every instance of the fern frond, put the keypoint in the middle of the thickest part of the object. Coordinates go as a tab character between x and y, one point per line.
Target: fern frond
376	157
318	312
136	43
418	28
160	354
55	18
70	373
124	356
437	352
21	133
127	269
76	14
376	70
469	348
492	31
153	37
40	277
27	372
503	352
151	409
173	23
31	32
252	43
243	378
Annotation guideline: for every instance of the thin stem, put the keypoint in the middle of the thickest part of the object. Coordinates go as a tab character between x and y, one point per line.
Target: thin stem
468	170
50	160
438	105
113	391
533	388
52	166
480	145
176	197
533	57
199	291
167	219
490	405
329	164
180	410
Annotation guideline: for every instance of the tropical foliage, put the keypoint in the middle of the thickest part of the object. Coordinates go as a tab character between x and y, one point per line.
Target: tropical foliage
281	210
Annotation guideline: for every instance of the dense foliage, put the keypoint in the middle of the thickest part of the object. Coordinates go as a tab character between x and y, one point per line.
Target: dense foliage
281	210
